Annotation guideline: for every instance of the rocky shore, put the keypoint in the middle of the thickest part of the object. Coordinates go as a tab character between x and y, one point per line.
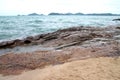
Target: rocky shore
61	37
76	43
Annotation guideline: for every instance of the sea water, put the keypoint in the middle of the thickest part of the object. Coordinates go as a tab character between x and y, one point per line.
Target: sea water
17	27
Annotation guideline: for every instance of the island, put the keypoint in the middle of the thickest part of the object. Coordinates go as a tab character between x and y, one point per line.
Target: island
91	14
34	14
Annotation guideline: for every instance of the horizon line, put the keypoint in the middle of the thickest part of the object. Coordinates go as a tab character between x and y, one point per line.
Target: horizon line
61	13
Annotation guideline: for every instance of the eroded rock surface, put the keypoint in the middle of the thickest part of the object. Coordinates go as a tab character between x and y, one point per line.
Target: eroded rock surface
63	36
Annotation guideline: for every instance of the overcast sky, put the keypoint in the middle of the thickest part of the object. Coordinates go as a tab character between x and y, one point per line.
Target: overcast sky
14	7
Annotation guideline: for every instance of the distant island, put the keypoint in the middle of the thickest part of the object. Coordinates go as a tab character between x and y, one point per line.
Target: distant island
55	13
31	14
65	13
91	14
34	14
103	14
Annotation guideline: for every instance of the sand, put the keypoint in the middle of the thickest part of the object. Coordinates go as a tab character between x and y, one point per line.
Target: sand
103	68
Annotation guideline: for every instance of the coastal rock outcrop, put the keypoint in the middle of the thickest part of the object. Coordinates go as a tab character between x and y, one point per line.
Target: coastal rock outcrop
64	36
116	19
76	43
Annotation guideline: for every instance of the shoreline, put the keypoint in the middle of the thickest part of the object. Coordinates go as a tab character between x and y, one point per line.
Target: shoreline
66	45
42	39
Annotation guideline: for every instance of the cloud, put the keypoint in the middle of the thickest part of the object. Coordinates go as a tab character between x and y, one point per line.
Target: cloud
46	6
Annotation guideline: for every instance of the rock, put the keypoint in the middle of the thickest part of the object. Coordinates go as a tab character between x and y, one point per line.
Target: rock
12	43
94	35
17	42
27	41
3	44
117	27
71	29
50	36
116	19
37	37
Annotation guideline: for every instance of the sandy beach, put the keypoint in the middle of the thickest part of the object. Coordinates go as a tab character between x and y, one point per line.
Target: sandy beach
89	69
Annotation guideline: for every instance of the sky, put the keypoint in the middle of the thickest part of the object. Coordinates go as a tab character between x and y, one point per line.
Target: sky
24	7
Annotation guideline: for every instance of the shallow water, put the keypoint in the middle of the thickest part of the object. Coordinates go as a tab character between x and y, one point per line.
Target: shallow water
25	49
12	27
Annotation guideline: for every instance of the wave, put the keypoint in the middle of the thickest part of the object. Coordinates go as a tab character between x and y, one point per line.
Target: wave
36	21
24	25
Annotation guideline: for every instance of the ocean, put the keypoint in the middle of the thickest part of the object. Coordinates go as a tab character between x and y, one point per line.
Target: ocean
17	27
